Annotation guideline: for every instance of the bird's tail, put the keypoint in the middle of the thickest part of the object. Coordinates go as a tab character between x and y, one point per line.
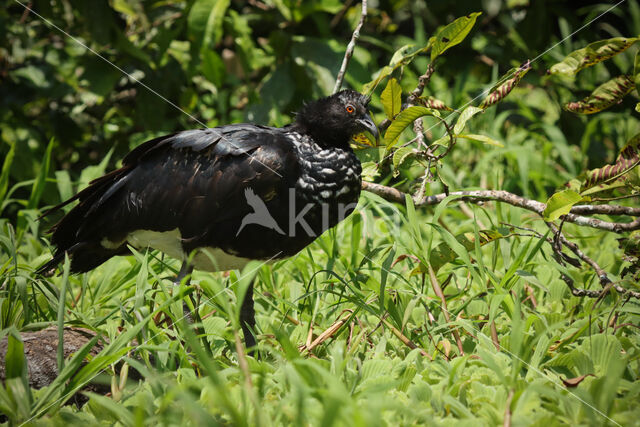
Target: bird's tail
75	233
84	256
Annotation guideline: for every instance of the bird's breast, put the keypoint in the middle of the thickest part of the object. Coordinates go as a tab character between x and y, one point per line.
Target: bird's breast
329	183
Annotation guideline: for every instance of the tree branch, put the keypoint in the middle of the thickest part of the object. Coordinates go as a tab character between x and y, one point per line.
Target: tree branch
397	196
350	47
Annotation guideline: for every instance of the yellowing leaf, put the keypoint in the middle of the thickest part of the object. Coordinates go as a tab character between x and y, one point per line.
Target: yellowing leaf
362	140
592	54
480	138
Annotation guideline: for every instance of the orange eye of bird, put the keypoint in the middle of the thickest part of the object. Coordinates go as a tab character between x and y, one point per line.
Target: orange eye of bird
350	109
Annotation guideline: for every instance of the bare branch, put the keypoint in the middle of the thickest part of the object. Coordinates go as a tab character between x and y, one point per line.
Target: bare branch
602	274
350	47
605	210
397	196
422	82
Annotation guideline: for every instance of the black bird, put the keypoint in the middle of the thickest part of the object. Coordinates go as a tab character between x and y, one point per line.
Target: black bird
188	194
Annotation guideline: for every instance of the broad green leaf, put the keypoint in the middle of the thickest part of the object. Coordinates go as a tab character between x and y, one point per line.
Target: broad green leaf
400	54
205	22
500	92
391	98
628	158
34	75
404	119
480	138
369	171
592	54
560	204
6	169
603	97
452	34
400	155
466	114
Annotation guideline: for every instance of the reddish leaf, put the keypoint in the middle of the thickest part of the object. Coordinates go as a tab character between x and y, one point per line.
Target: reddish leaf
628	158
603	97
434	103
500	92
573	382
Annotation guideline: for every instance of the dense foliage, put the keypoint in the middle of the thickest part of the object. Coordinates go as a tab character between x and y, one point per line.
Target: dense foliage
388	319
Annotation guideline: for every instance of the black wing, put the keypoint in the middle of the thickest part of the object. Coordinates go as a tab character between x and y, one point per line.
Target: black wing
193	181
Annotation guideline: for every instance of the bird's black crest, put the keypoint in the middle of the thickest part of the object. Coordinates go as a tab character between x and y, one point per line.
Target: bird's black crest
329	121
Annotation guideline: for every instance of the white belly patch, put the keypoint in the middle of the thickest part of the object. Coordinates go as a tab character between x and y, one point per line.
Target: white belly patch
170	242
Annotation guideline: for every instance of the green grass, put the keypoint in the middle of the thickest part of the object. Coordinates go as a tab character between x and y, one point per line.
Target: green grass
363	373
362	294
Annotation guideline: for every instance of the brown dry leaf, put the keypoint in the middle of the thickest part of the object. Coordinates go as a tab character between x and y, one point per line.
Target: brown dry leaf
573	382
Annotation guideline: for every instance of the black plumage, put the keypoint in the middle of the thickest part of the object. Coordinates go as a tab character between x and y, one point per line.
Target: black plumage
191	191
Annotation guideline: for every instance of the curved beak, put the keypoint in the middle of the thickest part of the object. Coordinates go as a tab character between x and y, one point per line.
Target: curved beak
367	124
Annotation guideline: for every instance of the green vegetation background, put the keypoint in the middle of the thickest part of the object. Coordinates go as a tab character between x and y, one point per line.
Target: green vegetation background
231	61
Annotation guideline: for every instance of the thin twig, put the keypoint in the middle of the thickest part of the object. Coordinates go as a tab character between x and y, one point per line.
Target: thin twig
602	274
395	195
438	291
423	80
507	410
350	47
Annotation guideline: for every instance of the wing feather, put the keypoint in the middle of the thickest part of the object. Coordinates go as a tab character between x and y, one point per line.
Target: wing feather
193	180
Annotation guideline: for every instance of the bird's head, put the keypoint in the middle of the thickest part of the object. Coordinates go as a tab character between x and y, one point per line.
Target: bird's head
335	119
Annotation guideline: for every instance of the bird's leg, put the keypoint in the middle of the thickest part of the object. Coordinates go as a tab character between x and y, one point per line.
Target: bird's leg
191	316
185	270
248	319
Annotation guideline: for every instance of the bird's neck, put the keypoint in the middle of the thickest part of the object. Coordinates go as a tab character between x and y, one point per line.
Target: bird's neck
324	137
